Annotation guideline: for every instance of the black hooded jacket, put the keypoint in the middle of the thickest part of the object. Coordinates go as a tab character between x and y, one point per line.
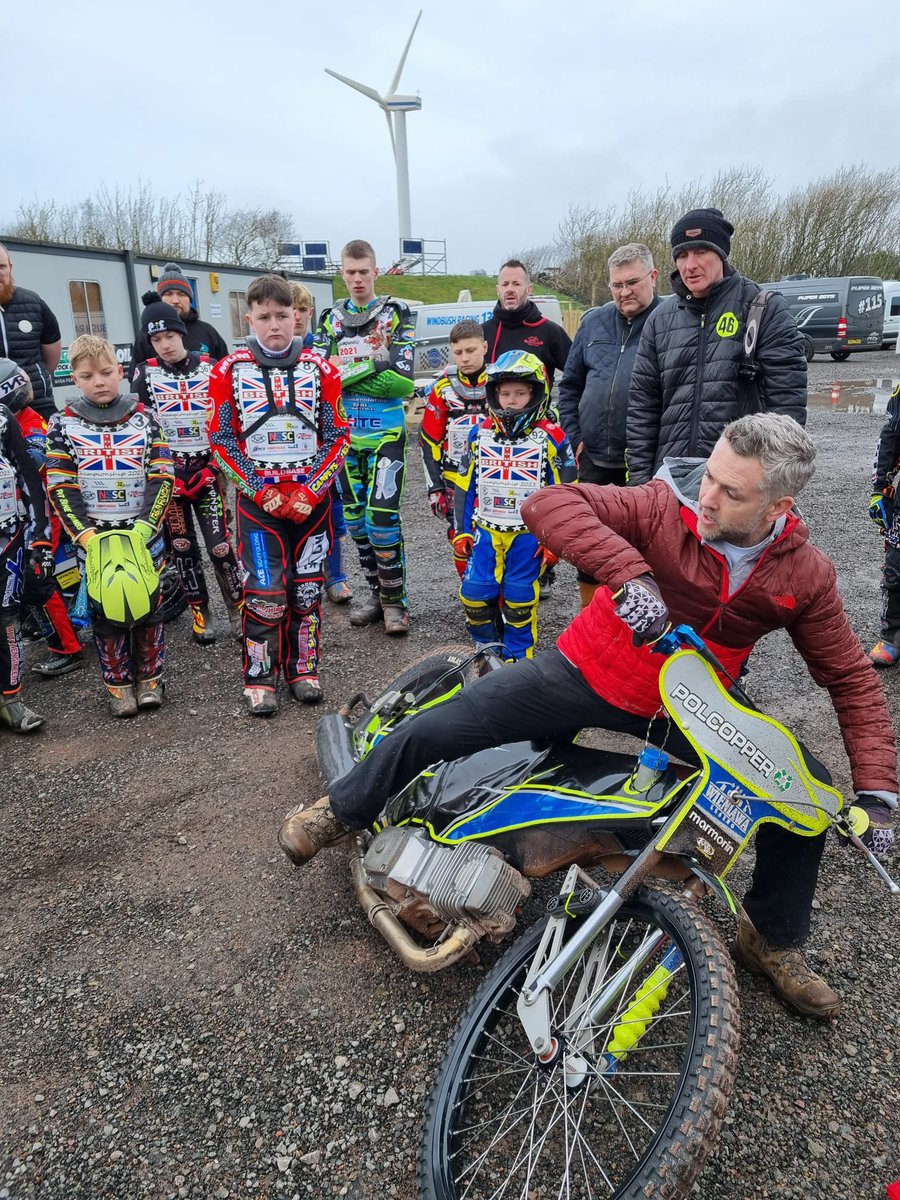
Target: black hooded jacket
527	329
685	385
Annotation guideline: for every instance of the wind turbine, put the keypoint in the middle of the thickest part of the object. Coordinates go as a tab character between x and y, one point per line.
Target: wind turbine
394	106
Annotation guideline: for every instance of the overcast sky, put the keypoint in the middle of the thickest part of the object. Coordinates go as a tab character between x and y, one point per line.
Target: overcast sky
527	107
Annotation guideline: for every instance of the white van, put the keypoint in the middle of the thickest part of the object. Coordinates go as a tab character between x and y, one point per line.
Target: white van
434	322
891	313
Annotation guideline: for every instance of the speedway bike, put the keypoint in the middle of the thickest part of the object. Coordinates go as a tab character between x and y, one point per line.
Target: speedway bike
597	1058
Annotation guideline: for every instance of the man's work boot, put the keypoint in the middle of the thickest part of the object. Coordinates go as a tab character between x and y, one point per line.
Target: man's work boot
149	693
309	828
18	716
396	620
307	690
203	629
261	701
122	700
791	976
367	613
59	664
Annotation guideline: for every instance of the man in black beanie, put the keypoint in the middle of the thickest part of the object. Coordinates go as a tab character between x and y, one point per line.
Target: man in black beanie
175	289
692	374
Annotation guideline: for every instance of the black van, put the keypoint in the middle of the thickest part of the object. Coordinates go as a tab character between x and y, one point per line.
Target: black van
841	316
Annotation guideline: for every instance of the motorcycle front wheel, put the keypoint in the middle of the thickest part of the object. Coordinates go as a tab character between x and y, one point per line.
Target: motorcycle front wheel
633	1100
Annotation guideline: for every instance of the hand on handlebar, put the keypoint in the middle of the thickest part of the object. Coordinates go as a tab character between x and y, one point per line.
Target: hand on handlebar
872	822
640	605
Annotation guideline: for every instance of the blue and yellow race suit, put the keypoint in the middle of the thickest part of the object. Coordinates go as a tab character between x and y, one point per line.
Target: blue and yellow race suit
499	590
375	346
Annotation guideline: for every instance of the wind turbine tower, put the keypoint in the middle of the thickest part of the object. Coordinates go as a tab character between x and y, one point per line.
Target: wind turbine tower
395	108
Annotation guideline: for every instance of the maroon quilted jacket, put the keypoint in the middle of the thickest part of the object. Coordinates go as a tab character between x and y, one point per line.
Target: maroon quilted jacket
616	534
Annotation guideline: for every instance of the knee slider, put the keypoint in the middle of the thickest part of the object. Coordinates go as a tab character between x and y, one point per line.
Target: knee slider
518	615
480	612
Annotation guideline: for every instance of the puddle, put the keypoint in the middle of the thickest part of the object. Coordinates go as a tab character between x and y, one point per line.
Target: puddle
855	395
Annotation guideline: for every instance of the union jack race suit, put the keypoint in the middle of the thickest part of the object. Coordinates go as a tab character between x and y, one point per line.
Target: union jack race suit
509	456
454	406
178	393
109	467
24	529
278	430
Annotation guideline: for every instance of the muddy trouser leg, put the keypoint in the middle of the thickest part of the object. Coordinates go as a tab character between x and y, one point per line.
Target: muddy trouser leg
186	551
480	588
12	654
211	515
541	697
113	652
387	475
890	594
263	546
521	569
308	549
148	649
355	488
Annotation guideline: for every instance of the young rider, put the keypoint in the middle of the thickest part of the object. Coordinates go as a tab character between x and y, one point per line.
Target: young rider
886	515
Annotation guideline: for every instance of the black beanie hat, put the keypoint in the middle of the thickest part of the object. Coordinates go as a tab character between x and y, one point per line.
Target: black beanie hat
703	227
173	280
159	317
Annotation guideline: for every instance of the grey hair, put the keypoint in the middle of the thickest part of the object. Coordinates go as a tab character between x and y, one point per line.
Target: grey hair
784	449
633	252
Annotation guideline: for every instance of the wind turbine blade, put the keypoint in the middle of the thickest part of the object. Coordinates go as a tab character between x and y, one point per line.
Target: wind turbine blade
402	62
357	87
387	117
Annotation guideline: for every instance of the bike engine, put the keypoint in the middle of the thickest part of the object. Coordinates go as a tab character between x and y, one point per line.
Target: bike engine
433	885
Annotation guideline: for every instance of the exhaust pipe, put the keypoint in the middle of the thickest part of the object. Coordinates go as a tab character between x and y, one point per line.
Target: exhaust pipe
457	943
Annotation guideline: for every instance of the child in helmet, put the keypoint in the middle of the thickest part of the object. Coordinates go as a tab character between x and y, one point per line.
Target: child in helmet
25	552
512	454
109	469
455	405
885	512
174	386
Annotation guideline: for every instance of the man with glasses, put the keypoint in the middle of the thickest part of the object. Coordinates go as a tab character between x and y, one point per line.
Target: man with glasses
593	392
692	373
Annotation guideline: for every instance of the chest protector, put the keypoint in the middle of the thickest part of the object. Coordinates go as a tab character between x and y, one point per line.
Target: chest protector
112	462
361	336
508	472
465	408
278	415
9	515
181	402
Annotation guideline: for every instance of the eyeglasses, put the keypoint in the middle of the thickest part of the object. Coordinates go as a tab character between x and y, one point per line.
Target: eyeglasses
629	284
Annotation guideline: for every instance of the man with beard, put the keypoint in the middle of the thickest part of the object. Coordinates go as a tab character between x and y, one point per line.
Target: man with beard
517	323
29	335
201	337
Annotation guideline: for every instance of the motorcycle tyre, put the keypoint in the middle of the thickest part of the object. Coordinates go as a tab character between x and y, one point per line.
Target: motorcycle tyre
422	674
674	1155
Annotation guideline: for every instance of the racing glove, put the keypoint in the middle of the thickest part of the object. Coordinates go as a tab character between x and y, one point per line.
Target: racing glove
440	503
640	605
271	500
39	573
881	509
550	559
198	481
878	834
146	530
462	545
296	508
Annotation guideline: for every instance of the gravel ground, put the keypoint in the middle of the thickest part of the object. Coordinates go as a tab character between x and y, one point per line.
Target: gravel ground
183	1014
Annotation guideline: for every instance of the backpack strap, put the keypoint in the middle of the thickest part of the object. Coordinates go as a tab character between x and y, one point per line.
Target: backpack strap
748	370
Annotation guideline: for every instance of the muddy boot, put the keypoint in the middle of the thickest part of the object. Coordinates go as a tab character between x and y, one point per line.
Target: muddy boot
367	613
309	828
149	693
337	589
586	592
546	582
203	629
59	664
339	592
307	690
791	976
18	716
122	700
396	620
261	701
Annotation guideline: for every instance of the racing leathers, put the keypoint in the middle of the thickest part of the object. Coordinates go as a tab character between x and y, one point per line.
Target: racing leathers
887	464
278	430
178	393
376	348
46	599
454	406
24	542
109	467
499	590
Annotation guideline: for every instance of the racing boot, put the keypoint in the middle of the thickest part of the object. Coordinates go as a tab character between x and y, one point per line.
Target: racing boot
884	654
59	664
18	716
122	700
203	630
396	620
235	619
149	693
790	974
307	690
337	589
546	582
367	613
261	701
309	828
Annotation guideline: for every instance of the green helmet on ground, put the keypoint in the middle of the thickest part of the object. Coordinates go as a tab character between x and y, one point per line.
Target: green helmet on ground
121	579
